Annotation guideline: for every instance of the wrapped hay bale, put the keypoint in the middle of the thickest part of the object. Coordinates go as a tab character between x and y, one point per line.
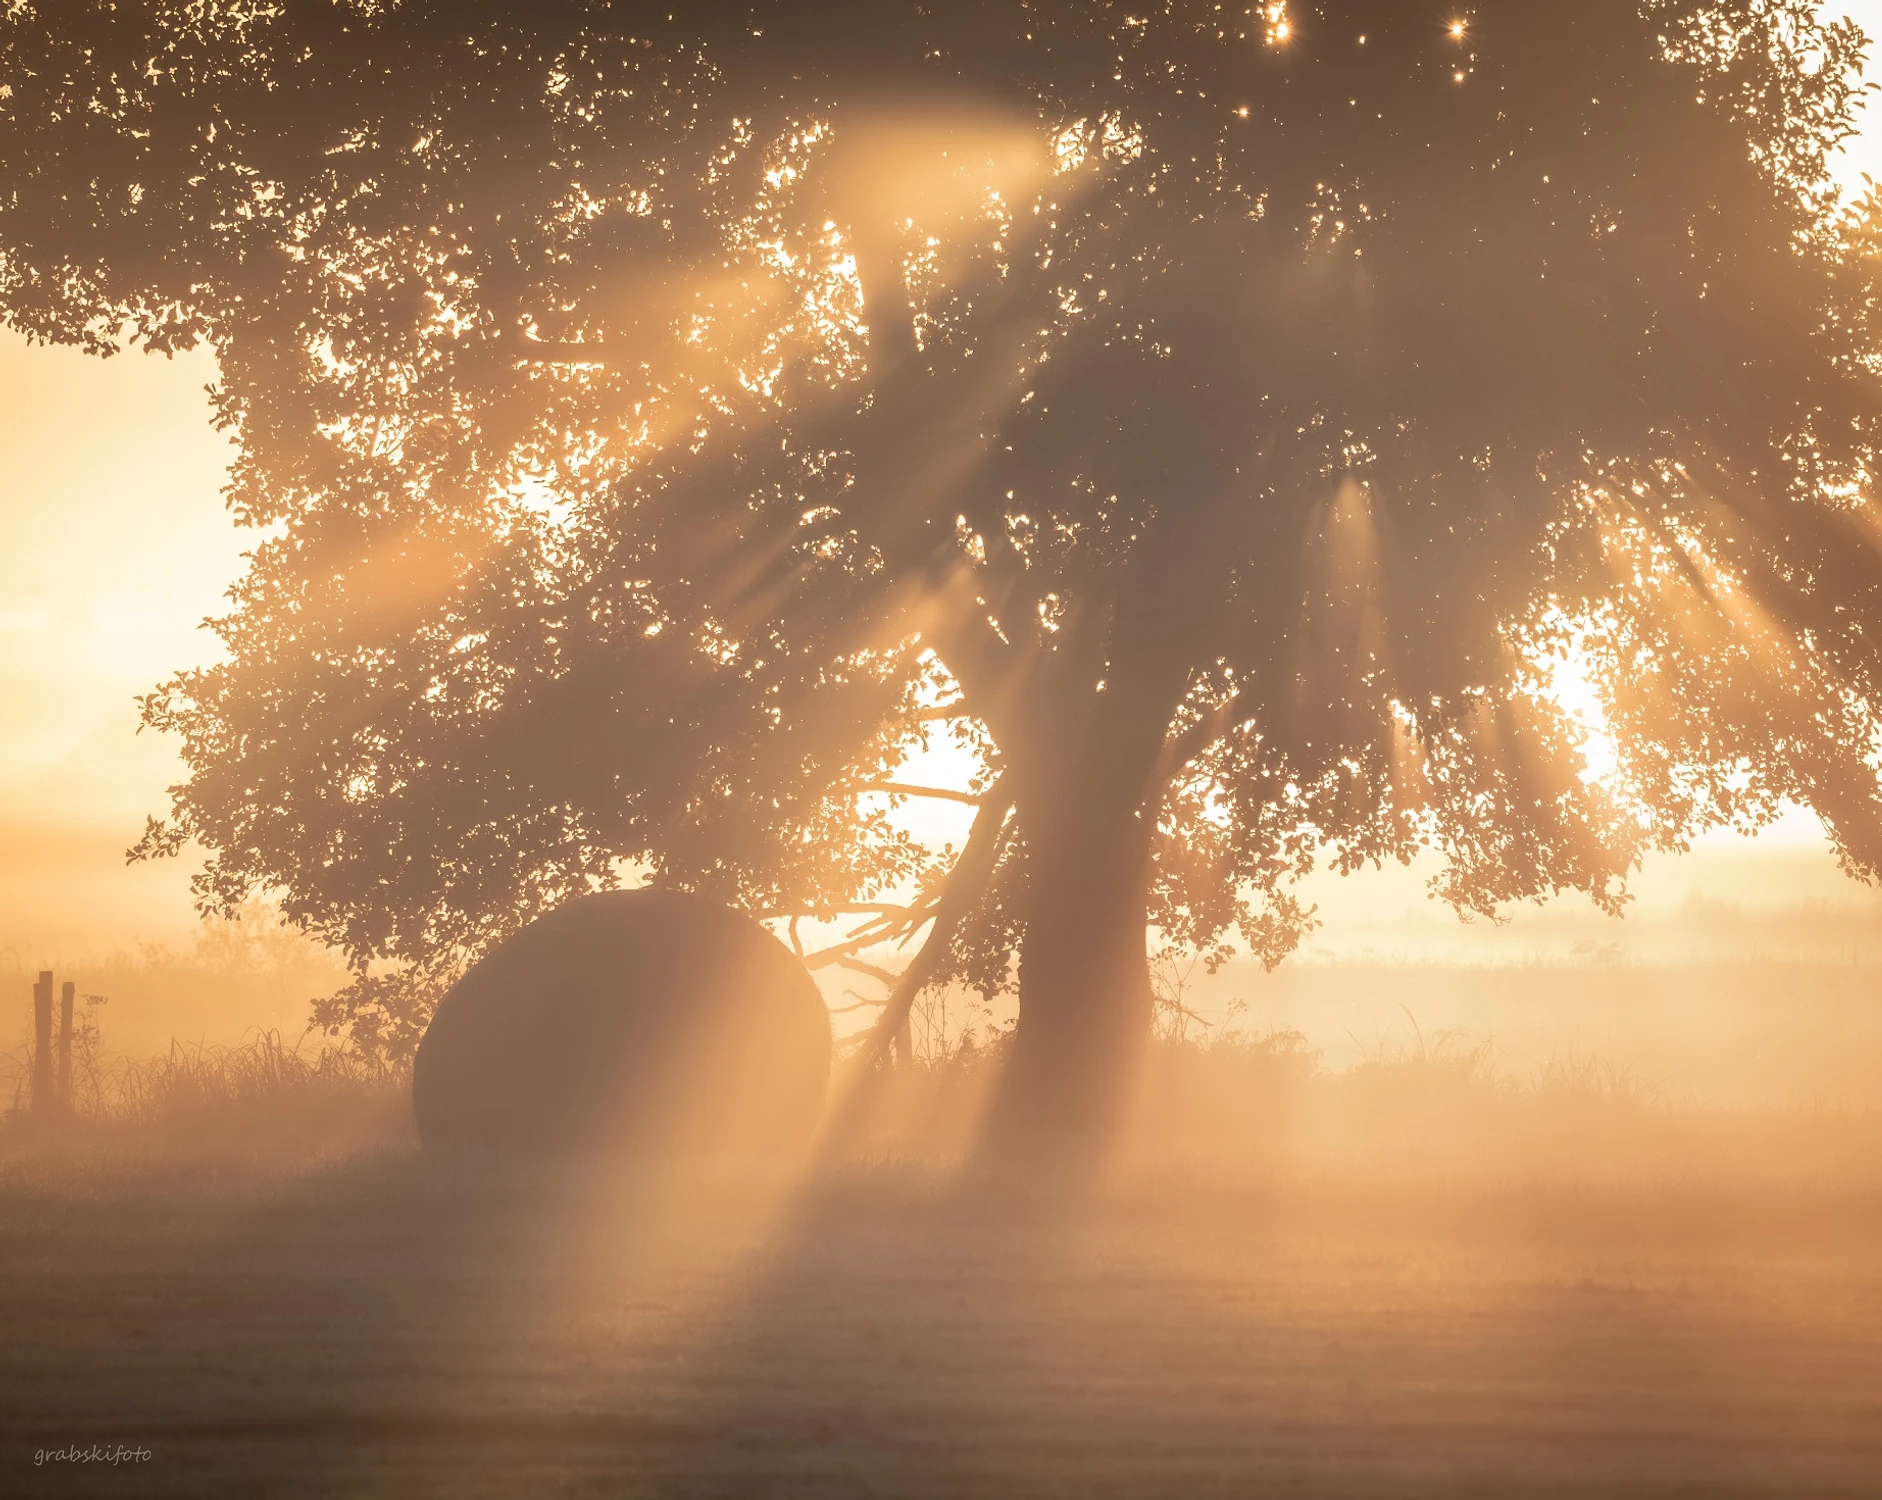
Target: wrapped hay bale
646	1022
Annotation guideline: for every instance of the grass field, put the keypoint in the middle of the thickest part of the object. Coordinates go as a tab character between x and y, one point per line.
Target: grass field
315	1310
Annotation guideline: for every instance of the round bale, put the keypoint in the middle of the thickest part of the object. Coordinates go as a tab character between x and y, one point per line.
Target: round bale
644	1021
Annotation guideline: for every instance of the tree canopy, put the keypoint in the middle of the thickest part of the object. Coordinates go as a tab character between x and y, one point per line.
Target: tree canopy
1221	418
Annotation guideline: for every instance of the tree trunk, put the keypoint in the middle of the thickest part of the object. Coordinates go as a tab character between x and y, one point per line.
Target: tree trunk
1090	768
1084	983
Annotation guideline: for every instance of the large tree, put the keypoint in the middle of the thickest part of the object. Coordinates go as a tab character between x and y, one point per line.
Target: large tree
656	422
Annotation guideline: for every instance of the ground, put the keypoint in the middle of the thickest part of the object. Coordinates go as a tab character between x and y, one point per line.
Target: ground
364	1323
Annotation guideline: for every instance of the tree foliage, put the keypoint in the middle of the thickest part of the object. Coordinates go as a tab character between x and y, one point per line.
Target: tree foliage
649	418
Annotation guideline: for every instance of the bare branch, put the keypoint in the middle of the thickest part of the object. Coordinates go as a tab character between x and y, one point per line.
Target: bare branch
965	883
880	975
830	913
837	952
901	925
963	887
903	789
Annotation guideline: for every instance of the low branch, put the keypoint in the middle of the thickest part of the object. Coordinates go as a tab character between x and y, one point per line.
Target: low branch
885	928
904	789
965	884
831	913
880	975
882	929
837	952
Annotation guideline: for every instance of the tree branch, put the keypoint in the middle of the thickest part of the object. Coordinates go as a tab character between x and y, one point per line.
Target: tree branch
965	883
903	789
880	975
837	952
881	929
829	913
893	922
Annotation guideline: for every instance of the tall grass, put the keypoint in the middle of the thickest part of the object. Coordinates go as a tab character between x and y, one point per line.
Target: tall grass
261	1077
260	1091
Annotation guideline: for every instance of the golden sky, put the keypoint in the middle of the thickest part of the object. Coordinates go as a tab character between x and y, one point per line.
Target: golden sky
117	546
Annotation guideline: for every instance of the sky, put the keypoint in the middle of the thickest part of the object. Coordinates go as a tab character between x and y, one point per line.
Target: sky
117	546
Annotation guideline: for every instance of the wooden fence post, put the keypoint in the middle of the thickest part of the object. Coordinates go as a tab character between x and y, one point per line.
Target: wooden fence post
42	1043
65	1045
